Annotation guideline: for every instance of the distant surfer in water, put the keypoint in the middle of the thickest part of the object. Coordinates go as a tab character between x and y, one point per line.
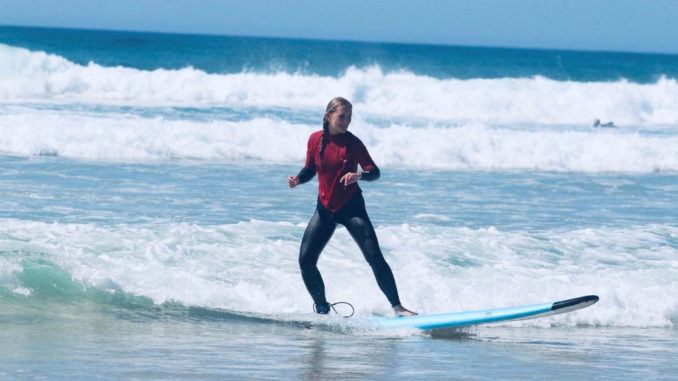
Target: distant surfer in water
334	154
596	123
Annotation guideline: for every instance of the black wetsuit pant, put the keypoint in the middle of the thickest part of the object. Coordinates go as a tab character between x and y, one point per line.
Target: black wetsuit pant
319	231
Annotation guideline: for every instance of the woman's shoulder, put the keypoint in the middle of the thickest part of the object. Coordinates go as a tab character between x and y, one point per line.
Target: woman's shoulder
352	136
314	139
316	135
354	139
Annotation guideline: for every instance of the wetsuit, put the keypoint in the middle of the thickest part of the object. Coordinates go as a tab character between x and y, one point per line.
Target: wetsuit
340	205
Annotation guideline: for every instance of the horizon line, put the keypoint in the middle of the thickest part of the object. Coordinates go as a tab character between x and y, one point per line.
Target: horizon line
206	34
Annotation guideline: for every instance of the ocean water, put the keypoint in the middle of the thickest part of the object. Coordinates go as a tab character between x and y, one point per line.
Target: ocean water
147	231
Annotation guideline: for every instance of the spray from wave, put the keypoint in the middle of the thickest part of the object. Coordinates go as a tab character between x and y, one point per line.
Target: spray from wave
36	76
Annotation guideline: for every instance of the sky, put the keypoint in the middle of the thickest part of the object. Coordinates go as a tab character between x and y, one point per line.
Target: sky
609	25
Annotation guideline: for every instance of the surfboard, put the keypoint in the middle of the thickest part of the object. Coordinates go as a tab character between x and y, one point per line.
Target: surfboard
468	318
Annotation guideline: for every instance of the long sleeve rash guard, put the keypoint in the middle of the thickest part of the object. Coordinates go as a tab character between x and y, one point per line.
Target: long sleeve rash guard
342	155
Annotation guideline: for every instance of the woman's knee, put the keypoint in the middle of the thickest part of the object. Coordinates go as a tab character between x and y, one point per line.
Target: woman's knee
307	260
373	254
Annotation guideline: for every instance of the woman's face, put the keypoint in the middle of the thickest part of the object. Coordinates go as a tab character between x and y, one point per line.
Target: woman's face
339	120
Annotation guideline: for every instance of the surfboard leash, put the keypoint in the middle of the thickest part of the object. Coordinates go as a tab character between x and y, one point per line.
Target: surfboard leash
315	308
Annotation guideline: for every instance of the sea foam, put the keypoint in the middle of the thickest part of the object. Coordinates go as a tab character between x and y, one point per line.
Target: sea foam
252	267
28	76
473	146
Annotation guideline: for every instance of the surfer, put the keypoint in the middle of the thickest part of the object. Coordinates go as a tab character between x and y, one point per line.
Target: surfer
596	123
334	154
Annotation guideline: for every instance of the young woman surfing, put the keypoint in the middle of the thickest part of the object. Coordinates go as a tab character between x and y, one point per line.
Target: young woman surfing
334	154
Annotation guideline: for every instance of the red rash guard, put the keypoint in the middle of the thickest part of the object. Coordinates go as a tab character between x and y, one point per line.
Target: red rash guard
342	155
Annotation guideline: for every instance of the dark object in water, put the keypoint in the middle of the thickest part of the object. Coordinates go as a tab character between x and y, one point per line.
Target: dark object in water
596	123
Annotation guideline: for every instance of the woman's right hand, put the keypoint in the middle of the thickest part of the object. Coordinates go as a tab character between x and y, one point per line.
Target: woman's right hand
293	181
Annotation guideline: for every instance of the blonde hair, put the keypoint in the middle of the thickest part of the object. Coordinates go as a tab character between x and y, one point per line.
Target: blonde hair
331	107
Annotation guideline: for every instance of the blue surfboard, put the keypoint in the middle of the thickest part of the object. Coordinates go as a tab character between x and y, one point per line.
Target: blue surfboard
462	319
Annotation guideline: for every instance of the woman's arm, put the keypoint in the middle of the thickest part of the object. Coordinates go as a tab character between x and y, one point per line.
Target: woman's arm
352	177
304	175
371	175
370	170
309	169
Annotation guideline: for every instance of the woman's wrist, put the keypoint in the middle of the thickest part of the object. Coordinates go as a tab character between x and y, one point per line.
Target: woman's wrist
370	175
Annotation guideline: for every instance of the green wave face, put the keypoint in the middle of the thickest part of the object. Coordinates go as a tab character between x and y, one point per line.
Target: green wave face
42	289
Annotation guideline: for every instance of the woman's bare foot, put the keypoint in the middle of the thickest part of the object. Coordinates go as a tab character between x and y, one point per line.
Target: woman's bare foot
402	311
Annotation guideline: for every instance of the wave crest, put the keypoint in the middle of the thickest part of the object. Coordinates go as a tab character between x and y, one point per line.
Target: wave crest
30	76
466	147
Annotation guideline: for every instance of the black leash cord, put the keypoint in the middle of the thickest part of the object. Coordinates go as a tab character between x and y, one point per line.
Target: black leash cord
335	310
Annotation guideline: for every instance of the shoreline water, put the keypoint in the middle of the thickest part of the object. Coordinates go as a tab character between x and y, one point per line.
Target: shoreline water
215	349
146	229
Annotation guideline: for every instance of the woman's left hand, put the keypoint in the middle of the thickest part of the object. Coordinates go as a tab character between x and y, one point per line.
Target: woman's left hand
350	178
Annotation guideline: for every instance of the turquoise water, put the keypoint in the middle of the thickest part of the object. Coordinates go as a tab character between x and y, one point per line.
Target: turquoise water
226	54
146	229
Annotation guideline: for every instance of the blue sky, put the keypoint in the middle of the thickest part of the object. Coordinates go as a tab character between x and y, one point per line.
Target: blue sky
619	25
